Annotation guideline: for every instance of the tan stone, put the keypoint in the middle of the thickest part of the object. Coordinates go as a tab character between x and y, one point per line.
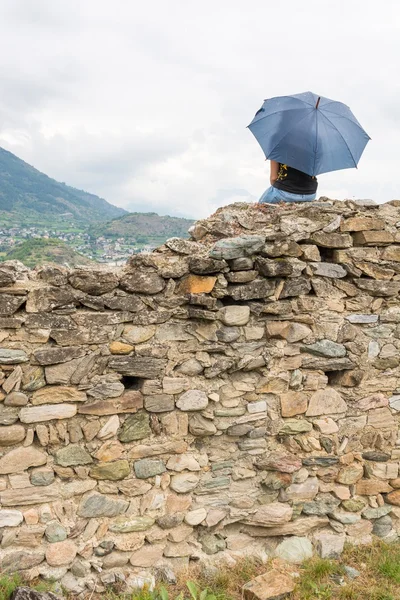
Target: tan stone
111	450
273	585
362	224
130	402
137	334
120	348
326	402
31	516
372	487
391	253
47	412
196	284
128	542
147	451
326	425
21	459
381	418
147	556
301	526
394	497
12	434
270	515
293	403
287	330
373	238
350	474
61	554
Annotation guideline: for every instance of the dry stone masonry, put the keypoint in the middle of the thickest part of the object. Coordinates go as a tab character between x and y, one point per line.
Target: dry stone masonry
237	393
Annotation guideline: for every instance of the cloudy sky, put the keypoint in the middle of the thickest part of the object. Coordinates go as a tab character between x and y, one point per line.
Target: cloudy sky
146	103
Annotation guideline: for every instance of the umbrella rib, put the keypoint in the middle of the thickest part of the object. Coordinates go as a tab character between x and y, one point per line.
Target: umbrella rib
354	122
351	154
276	112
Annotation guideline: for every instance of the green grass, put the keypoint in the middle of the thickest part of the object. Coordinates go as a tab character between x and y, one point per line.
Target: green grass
8	583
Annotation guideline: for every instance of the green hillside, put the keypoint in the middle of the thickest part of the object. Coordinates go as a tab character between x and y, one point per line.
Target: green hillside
28	197
142	228
38	251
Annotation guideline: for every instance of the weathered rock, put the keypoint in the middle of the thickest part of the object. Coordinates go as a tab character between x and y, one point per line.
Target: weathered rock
113	471
24	560
270	515
184	482
294	426
295	550
10	518
30	495
55	532
142	281
330	546
259	288
72	455
383	526
238	247
147	467
13	434
325	348
328	270
137	366
297	286
323	504
97	505
131	524
159	403
61	553
57	395
16	399
93	282
12	357
135	427
287	330
200	426
21	459
192	400
46	412
234	315
51	356
272	585
130	402
332	240
293	403
196	284
326	402
277	461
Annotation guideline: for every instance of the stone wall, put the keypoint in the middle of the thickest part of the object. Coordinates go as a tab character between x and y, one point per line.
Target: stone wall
233	394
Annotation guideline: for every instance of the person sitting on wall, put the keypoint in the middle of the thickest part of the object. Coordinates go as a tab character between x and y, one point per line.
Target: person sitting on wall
289	185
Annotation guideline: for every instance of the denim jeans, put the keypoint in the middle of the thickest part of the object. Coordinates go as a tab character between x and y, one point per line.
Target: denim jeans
272	196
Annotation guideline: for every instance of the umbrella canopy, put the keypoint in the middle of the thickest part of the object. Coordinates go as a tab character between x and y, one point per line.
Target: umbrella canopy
309	133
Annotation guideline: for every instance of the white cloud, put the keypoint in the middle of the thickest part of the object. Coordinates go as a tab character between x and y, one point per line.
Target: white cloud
146	104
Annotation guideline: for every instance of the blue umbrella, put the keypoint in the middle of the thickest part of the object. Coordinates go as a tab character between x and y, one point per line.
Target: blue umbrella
309	133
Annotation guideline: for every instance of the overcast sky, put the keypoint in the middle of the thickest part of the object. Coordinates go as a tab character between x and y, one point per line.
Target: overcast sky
146	103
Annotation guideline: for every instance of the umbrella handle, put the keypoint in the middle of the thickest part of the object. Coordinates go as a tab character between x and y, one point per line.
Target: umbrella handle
319	98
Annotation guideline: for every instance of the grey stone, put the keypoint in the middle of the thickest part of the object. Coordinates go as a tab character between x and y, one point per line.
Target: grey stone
346	518
383	526
12	357
329	545
52	356
258	289
106	389
93	281
72	455
97	505
376	456
212	543
237	247
42	477
274	268
296	286
8	416
294	550
16	399
376	513
138	366
55	532
362	319
192	400
142	282
135	427
351	572
200	426
325	348
20	560
323	504
10	304
159	403
331	270
203	265
147	467
10	518
327	364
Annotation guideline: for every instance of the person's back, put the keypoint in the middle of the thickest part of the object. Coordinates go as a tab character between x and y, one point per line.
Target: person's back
289	185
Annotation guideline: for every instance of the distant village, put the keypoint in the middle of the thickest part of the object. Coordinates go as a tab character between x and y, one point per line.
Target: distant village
102	249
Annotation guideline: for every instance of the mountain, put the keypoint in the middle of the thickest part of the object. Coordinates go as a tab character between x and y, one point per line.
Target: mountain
38	251
28	197
142	228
